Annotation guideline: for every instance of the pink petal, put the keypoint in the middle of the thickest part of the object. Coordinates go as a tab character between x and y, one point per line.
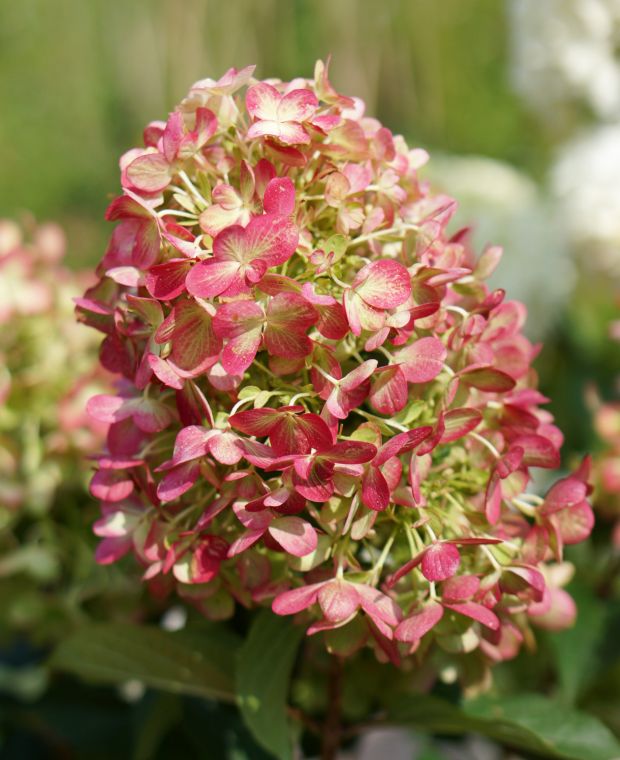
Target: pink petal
207	559
361	315
129	206
192	442
459	588
151	416
111	485
189	327
488	379
258	454
228	84
316	431
477	612
297	105
297	599
295	536
173	135
440	561
262	100
231	245
565	493
375	490
239	352
359	375
288	133
205	127
332	321
245	540
423	360
287	436
538	451
559	614
510	461
388	390
574	523
519	578
493	499
402	442
338	405
177	481
386	284
212	277
149	173
488	261
379	606
112	549
226	448
257	422
350	452
338	600
316	483
279	197
128	276
287	344
459	422
107	408
234	319
167	281
164	372
289	315
271	238
181	240
253	520
216	218
414	627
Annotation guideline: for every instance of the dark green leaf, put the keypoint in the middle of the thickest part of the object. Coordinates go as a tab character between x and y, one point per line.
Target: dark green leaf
194	663
263	674
159	715
527	722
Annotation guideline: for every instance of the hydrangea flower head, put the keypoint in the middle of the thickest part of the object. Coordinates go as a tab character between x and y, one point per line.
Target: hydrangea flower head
321	405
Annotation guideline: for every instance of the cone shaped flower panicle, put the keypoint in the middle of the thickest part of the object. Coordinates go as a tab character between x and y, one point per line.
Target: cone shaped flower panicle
321	405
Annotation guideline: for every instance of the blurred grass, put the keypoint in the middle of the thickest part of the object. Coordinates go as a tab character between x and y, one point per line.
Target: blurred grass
80	78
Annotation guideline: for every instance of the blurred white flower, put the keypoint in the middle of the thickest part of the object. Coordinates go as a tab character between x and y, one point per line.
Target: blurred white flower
566	52
505	207
585	180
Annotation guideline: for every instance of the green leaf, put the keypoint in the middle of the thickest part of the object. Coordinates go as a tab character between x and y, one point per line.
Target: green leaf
263	673
526	722
198	663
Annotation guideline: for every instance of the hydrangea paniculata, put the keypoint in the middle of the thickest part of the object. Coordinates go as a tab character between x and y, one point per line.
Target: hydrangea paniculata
321	405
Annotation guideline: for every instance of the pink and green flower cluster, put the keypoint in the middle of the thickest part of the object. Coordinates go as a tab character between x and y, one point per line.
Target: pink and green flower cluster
322	407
